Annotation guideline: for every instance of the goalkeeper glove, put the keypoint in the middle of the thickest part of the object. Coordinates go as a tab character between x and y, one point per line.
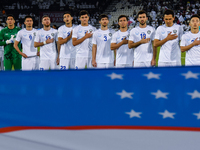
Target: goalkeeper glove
11	40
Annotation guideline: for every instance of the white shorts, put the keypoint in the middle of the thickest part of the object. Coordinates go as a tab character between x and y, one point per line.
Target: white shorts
142	64
30	63
169	64
189	63
47	64
66	63
105	65
124	65
83	62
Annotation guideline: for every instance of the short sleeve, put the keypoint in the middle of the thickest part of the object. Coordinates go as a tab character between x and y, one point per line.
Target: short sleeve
37	37
74	33
56	35
18	37
180	32
94	39
131	37
60	33
183	41
114	39
153	34
157	34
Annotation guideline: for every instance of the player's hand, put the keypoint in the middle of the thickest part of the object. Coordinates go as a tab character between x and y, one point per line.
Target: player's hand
94	63
143	40
24	55
153	62
58	60
196	42
125	41
171	36
88	34
38	53
49	40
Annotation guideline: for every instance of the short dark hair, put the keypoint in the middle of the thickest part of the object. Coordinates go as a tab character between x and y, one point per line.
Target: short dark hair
169	12
103	16
195	15
10	15
45	16
83	12
67	12
28	16
121	16
141	12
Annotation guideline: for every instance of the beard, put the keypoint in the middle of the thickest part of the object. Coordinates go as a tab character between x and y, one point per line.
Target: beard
142	23
47	25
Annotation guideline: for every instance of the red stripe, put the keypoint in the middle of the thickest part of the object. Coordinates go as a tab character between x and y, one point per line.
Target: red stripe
11	129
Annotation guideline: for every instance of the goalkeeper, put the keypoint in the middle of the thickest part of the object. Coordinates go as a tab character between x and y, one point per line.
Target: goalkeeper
7	38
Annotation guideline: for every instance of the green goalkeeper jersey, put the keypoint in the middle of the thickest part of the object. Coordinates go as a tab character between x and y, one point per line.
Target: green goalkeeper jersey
9	50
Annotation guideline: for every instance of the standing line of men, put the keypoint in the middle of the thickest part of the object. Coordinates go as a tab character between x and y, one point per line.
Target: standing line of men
77	47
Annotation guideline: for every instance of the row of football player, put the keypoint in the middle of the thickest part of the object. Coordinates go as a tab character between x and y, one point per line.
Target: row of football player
83	45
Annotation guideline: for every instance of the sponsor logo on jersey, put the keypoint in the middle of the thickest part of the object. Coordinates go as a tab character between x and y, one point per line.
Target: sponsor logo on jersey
64	32
42	35
79	31
99	34
163	32
52	34
137	33
24	35
110	34
118	37
174	31
148	32
188	39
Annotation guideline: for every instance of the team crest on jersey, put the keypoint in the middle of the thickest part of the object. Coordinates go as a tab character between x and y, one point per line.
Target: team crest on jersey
174	31
136	32
90	30
34	34
110	34
52	34
149	32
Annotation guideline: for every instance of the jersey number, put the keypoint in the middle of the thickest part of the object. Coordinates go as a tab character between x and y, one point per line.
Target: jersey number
30	37
143	35
62	67
105	38
48	37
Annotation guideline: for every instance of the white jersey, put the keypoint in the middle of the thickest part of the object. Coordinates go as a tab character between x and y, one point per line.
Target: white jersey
102	38
67	50
170	51
1	47
83	49
193	54
124	54
144	52
47	51
27	39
